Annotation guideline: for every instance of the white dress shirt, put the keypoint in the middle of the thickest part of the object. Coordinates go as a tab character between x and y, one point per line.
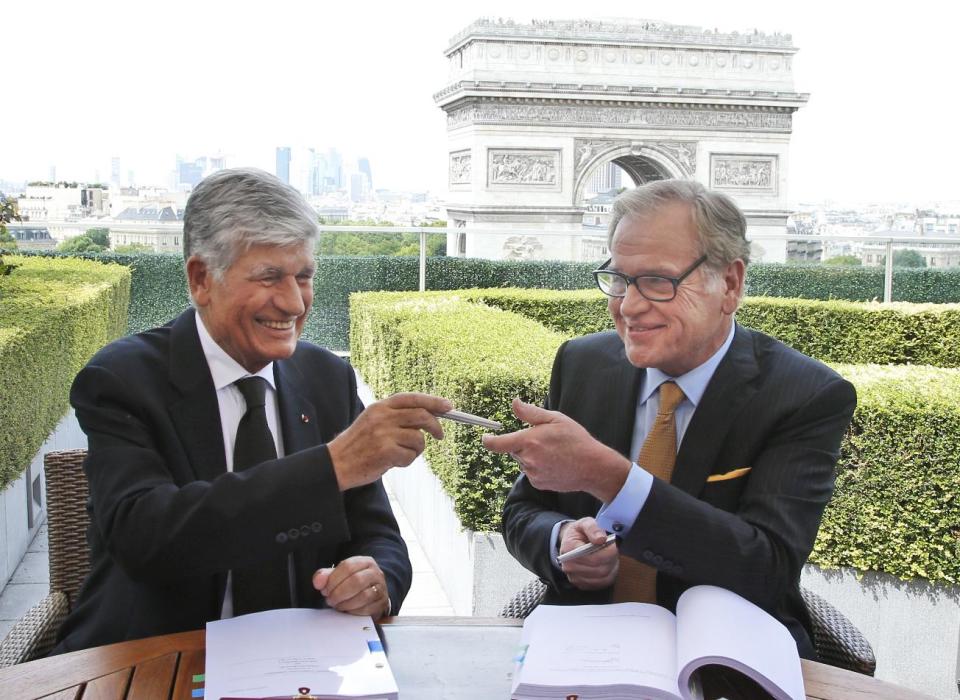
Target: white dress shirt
225	371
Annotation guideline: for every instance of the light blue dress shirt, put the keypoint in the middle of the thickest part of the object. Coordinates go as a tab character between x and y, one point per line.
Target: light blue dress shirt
619	515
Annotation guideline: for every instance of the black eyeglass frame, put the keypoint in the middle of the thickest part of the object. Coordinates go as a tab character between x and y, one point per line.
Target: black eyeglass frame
674	281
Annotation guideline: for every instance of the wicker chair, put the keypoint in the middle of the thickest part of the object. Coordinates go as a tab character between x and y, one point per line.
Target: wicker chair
835	639
34	634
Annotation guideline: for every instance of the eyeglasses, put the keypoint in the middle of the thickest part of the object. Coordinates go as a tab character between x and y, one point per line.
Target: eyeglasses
652	287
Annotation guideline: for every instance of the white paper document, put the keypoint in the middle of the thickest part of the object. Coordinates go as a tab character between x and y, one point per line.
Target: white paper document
290	652
634	651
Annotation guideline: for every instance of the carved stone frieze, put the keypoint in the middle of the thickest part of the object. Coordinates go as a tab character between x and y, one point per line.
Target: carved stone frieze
684	152
522	248
460	168
744	172
665	117
526	167
588	149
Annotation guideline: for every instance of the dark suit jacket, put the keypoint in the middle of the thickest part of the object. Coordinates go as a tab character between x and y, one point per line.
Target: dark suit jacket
167	521
767	407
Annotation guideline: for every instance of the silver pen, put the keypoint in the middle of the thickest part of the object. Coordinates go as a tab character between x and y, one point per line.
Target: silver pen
585	549
470	419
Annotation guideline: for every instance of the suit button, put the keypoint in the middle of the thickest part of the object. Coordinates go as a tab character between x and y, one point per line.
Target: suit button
647	555
316	527
281	538
294	533
677	570
658	561
667	566
304	530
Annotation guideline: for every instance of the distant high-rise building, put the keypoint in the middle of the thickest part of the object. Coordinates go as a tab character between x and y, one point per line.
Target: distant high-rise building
608	177
283	163
335	168
359	187
189	173
115	171
363	165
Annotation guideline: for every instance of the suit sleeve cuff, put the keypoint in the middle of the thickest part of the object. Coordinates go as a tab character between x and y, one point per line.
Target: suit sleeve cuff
618	515
555	544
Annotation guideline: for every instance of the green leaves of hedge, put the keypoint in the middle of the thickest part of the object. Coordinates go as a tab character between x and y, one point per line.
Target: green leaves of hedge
895	508
54	314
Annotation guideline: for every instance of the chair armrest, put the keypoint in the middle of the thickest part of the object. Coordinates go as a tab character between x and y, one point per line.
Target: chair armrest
34	634
837	641
524	600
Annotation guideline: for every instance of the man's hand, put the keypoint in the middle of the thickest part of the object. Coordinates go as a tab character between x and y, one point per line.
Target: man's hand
558	454
356	586
387	434
591	571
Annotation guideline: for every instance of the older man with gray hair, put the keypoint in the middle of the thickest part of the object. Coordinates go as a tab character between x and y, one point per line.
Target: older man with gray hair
232	467
707	448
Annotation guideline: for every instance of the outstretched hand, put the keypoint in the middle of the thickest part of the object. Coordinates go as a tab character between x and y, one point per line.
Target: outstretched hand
387	434
558	454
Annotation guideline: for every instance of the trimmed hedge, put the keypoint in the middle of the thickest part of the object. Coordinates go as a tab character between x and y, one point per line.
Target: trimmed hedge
54	314
159	291
158	288
478	357
911	284
862	333
895	508
832	331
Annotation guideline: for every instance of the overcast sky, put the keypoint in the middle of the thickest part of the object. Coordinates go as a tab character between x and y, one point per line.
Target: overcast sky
148	80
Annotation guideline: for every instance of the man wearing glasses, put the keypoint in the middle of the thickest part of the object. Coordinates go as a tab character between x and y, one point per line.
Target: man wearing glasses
707	448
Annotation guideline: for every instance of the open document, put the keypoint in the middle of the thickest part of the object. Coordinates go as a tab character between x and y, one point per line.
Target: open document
717	644
293	652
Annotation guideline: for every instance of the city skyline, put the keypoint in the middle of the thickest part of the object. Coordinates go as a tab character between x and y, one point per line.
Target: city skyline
878	126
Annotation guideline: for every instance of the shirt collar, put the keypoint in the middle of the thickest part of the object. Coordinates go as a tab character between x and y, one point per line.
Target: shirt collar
693	383
223	368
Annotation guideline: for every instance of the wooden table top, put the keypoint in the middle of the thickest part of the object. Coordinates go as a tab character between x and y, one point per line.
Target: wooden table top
473	662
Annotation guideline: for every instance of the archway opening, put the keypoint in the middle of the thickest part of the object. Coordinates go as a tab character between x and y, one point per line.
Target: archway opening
610	178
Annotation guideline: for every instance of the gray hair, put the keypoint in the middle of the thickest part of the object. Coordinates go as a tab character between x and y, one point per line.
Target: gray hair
721	226
232	210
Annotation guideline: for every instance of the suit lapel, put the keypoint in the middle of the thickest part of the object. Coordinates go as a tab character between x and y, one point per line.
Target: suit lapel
195	411
616	392
728	391
299	420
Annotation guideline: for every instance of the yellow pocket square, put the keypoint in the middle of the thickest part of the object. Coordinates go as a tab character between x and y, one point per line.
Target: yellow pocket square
735	474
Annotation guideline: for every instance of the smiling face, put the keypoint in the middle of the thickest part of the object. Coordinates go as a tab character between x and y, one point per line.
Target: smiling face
255	312
673	336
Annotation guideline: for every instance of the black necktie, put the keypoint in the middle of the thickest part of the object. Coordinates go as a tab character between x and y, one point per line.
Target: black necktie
254	443
265	585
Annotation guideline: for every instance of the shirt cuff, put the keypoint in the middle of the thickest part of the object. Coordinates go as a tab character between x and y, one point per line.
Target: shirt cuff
618	515
555	543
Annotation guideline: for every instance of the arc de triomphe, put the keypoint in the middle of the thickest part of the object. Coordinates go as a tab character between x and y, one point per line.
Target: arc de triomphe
534	110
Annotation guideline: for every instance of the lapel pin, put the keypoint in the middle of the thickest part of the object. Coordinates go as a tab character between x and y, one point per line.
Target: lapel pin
304	418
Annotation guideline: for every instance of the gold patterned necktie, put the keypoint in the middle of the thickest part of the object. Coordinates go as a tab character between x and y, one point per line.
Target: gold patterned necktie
635	581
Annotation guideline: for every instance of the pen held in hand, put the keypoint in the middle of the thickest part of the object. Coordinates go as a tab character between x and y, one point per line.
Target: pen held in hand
585	549
470	419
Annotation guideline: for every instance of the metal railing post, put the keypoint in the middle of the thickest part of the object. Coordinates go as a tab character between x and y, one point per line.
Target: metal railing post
888	274
423	260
